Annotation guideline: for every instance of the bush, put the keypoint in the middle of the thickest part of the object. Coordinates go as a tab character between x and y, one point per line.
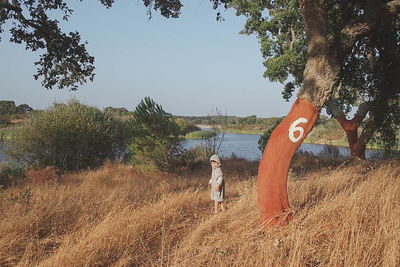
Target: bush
155	137
199	152
185	127
69	137
5	120
263	140
10	174
330	151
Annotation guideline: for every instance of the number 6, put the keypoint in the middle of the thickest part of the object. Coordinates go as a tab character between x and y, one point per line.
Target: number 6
294	128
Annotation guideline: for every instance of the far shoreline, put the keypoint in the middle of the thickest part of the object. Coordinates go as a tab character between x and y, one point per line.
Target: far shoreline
260	132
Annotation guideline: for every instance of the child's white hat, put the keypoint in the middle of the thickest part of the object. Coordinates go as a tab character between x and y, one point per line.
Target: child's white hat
215	158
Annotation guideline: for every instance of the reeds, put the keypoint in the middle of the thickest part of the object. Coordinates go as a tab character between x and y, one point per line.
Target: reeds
345	215
200	135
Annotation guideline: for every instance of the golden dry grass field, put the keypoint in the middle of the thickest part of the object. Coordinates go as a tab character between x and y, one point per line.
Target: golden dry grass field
346	214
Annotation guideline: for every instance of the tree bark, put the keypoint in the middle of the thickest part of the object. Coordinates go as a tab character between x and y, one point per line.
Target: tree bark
356	145
326	50
324	59
274	165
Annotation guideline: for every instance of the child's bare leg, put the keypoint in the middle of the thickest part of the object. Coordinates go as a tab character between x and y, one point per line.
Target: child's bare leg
215	206
222	206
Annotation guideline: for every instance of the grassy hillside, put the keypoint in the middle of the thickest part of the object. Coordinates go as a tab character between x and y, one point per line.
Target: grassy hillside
345	214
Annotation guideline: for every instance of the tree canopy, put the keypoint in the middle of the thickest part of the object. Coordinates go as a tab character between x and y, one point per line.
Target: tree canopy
281	28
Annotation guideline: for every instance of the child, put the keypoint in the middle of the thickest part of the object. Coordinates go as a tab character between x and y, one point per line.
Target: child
217	184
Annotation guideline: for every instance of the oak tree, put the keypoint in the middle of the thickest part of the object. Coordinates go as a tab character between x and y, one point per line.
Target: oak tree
330	29
283	41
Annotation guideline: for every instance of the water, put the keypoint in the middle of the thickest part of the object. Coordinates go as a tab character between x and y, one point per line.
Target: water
246	146
242	145
3	156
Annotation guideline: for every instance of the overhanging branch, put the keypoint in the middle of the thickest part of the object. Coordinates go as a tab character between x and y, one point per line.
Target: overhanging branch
358	29
362	111
369	130
6	5
333	107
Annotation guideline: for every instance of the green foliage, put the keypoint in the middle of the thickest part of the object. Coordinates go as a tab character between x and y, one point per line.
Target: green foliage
69	136
234	124
385	88
7	107
248	120
66	62
24	108
369	70
10	174
279	26
199	153
200	135
8	111
263	140
322	120
185	126
5	120
155	136
117	111
330	152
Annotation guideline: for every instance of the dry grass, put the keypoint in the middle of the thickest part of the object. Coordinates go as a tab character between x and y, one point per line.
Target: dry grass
345	215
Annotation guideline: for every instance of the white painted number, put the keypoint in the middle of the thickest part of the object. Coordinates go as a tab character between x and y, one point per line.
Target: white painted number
294	128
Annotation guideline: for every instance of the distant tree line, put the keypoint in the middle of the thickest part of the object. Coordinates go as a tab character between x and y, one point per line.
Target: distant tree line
236	122
9	111
230	120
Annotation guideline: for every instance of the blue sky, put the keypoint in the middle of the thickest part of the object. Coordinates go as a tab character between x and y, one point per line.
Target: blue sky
190	65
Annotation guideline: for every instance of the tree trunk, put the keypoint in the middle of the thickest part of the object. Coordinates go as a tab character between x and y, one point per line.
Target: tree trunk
274	165
326	51
324	59
356	144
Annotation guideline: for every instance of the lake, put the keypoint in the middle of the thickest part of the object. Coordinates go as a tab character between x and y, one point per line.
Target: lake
246	146
3	155
242	145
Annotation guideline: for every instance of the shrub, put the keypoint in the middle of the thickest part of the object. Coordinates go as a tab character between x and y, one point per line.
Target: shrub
330	151
186	127
218	124
197	154
69	136
262	142
155	137
10	174
7	107
5	120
